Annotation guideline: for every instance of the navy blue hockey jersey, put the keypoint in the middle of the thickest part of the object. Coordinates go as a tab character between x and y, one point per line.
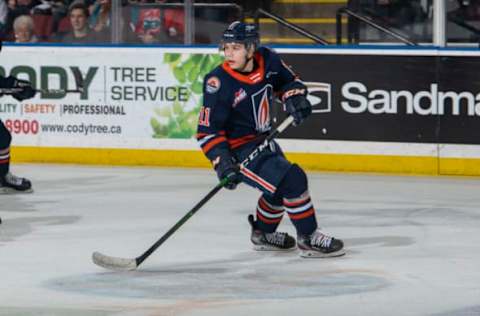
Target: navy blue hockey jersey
236	106
3	82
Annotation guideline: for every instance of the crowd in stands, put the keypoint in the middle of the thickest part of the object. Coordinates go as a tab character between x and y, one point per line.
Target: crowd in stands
88	21
146	21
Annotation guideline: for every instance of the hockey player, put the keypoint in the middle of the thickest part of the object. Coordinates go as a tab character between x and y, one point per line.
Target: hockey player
235	118
8	182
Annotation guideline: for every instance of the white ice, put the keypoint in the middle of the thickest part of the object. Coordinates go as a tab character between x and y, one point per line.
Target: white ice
413	246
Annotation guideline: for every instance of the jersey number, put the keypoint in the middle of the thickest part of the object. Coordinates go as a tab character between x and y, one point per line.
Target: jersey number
204	118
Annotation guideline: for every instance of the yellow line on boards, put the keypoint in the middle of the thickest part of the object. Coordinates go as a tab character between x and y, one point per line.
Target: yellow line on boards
366	163
195	159
114	157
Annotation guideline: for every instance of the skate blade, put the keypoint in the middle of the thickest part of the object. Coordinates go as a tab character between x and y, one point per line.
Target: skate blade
271	248
7	190
317	254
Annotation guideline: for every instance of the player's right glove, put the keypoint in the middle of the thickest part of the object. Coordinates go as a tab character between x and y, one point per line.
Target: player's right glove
25	90
297	104
226	167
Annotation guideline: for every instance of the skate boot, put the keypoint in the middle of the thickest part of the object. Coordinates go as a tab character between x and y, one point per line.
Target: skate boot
270	241
13	184
319	245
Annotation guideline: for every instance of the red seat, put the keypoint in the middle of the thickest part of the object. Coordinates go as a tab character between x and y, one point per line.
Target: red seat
64	25
174	18
43	26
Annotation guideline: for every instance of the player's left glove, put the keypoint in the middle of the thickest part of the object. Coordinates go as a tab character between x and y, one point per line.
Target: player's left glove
296	103
226	167
25	89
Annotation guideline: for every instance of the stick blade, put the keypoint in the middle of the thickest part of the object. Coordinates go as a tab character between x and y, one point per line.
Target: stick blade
114	263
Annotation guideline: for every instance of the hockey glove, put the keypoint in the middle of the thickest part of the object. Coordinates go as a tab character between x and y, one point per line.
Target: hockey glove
297	104
227	168
25	90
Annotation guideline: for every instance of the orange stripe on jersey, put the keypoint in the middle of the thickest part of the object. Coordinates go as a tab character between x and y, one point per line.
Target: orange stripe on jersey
213	143
5	161
201	135
249	174
307	213
251	78
237	142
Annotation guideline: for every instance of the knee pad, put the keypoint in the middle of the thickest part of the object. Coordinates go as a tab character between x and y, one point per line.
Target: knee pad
294	183
5	137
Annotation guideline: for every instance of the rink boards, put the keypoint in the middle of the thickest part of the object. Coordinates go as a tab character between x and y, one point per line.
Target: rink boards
375	110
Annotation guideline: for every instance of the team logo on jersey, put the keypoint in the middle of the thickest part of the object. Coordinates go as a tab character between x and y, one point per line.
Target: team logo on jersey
261	108
213	84
239	96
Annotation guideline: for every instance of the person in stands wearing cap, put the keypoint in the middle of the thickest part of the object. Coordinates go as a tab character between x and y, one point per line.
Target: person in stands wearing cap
235	118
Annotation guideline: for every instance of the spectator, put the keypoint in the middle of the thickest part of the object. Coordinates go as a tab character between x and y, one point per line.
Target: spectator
149	27
17	8
100	15
59	11
3	16
23	29
157	25
81	33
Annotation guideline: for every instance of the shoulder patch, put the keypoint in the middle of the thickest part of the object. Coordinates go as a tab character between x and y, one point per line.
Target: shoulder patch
213	84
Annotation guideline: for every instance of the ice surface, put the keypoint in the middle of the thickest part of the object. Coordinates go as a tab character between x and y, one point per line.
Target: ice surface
413	246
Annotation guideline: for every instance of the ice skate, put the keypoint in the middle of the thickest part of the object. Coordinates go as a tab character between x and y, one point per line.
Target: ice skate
12	184
319	245
275	241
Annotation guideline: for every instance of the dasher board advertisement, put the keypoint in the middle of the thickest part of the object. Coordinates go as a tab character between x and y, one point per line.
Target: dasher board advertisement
381	98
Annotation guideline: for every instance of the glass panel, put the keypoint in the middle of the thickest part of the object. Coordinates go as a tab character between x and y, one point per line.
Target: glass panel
151	22
463	22
212	19
407	19
161	22
316	17
58	21
124	22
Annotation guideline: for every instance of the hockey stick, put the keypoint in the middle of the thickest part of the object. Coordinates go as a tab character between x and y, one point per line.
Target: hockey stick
77	75
125	264
10	91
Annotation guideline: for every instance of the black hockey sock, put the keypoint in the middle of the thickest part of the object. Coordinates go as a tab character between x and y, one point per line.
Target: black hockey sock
4	161
296	200
5	140
301	213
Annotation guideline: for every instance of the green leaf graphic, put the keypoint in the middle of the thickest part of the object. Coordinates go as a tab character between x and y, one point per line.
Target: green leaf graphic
179	74
175	121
